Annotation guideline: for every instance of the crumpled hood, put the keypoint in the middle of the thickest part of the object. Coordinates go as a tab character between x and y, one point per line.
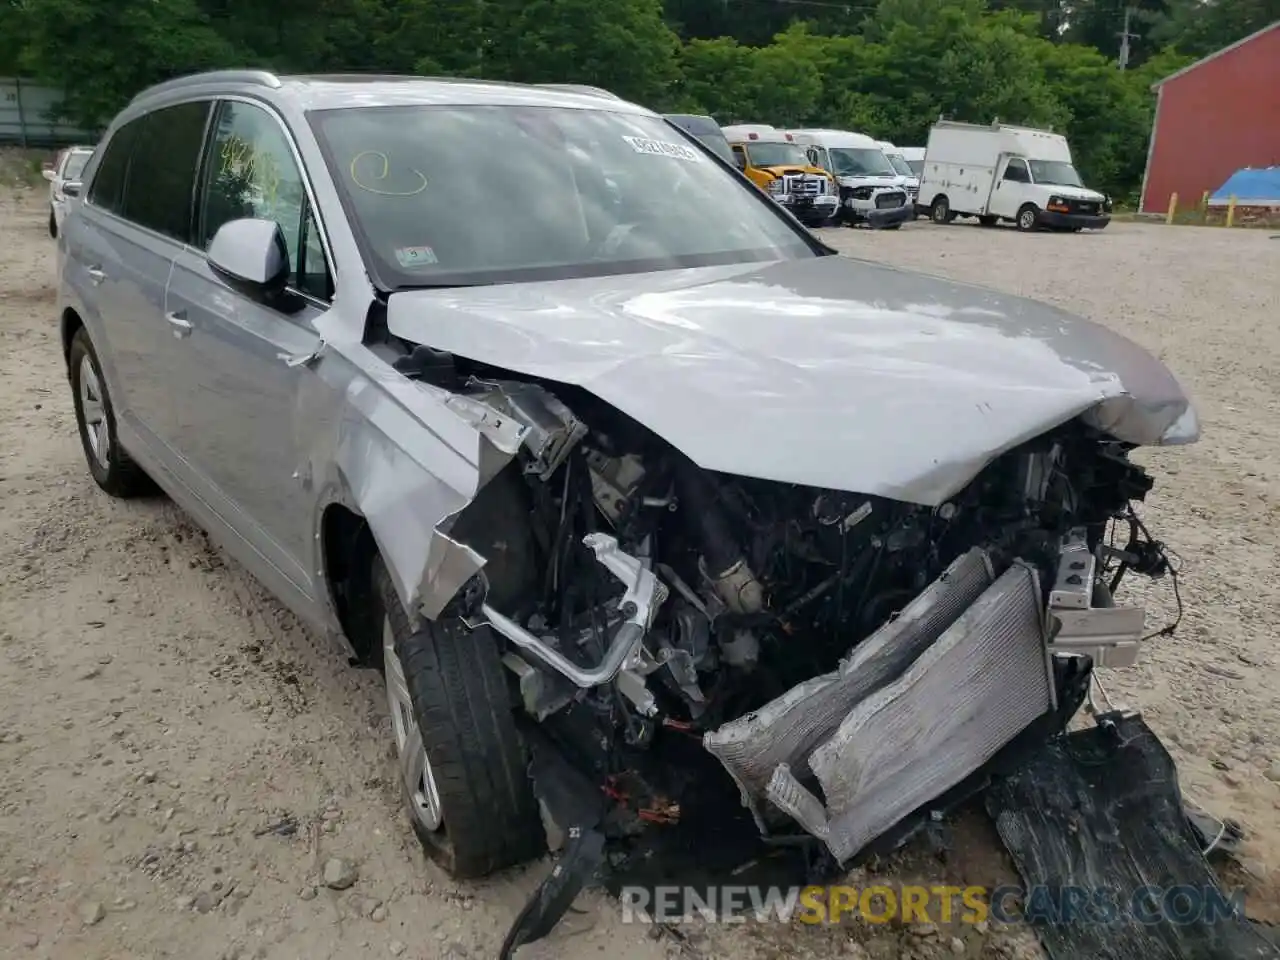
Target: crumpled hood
829	371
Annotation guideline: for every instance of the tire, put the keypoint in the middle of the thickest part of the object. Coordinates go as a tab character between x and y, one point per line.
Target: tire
476	770
53	225
112	468
940	211
988	221
892	226
1028	217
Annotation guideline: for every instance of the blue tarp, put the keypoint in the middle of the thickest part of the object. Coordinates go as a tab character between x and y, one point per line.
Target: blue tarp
1259	188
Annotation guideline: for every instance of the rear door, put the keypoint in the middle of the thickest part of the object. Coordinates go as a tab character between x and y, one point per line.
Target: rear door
240	392
158	204
137	217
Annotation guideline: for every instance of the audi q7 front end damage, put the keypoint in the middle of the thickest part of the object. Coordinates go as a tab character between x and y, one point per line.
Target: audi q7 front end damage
847	573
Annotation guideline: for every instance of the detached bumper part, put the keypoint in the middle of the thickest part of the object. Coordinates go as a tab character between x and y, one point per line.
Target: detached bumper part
890	216
964	677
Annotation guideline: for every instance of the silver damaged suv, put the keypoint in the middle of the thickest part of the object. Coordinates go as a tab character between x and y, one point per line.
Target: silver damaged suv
632	489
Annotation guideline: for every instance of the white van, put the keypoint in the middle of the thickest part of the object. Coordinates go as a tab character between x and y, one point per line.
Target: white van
1001	172
869	187
908	179
915	159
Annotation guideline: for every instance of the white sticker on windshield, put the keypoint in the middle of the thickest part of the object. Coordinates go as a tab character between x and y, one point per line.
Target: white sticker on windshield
415	256
662	148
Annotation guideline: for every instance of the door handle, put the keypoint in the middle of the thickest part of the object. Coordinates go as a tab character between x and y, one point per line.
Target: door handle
96	275
181	325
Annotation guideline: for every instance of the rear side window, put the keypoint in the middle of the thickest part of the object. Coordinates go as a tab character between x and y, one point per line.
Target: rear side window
107	189
162	173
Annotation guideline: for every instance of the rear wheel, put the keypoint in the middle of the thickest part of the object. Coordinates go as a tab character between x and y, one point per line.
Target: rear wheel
940	211
988	221
1028	217
112	468
463	769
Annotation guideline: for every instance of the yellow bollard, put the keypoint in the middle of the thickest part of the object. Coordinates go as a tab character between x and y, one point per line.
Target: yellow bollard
1173	208
1204	207
1231	209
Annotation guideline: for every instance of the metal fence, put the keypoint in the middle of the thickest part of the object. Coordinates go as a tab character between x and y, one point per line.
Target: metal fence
26	117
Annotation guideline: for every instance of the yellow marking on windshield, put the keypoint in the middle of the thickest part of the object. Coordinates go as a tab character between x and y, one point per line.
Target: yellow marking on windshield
382	175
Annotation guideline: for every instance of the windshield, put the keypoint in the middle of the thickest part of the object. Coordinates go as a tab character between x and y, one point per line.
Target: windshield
917	166
1056	172
75	165
776	155
460	195
859	162
900	165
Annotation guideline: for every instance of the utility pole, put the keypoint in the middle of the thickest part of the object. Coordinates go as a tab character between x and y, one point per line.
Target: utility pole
1125	36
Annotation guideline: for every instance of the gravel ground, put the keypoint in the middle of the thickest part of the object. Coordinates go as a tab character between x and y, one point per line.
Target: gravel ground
181	759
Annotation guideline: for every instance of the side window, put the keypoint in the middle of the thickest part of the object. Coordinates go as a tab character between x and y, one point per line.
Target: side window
1017	171
161	180
740	157
250	172
107	189
312	273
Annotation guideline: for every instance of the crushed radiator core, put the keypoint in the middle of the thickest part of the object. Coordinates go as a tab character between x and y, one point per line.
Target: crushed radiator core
917	707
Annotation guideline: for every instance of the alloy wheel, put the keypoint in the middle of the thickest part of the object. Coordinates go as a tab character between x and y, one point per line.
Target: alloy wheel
94	412
415	768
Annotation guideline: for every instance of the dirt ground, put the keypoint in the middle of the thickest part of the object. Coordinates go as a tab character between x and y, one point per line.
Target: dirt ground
178	758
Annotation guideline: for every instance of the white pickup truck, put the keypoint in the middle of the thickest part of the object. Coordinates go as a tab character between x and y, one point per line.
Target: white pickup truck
1001	172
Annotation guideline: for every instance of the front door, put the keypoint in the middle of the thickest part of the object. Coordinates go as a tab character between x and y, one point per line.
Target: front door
1012	188
242	392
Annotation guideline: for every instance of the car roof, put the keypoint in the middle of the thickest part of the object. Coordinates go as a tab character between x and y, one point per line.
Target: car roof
837	138
338	91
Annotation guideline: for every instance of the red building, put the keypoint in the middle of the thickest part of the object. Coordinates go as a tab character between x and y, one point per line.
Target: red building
1212	118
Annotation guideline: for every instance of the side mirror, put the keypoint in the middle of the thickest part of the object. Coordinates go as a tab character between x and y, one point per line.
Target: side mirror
72	188
251	255
740	161
48	174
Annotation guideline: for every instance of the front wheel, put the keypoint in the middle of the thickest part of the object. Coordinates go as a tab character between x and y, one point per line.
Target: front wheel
463	769
53	225
1028	218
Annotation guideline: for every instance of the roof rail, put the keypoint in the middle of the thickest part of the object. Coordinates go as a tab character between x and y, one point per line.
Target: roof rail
580	88
261	78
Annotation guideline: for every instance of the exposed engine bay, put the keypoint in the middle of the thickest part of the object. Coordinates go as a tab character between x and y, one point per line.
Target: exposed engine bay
797	634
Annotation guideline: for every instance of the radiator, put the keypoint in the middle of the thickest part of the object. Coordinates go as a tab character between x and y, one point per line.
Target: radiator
919	705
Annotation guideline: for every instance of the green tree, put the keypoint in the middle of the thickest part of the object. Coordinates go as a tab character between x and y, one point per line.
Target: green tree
622	45
739	84
103	54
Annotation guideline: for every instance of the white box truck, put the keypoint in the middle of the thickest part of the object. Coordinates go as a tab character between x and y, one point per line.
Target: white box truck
1001	172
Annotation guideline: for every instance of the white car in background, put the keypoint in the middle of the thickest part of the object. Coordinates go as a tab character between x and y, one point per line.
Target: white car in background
915	159
66	168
